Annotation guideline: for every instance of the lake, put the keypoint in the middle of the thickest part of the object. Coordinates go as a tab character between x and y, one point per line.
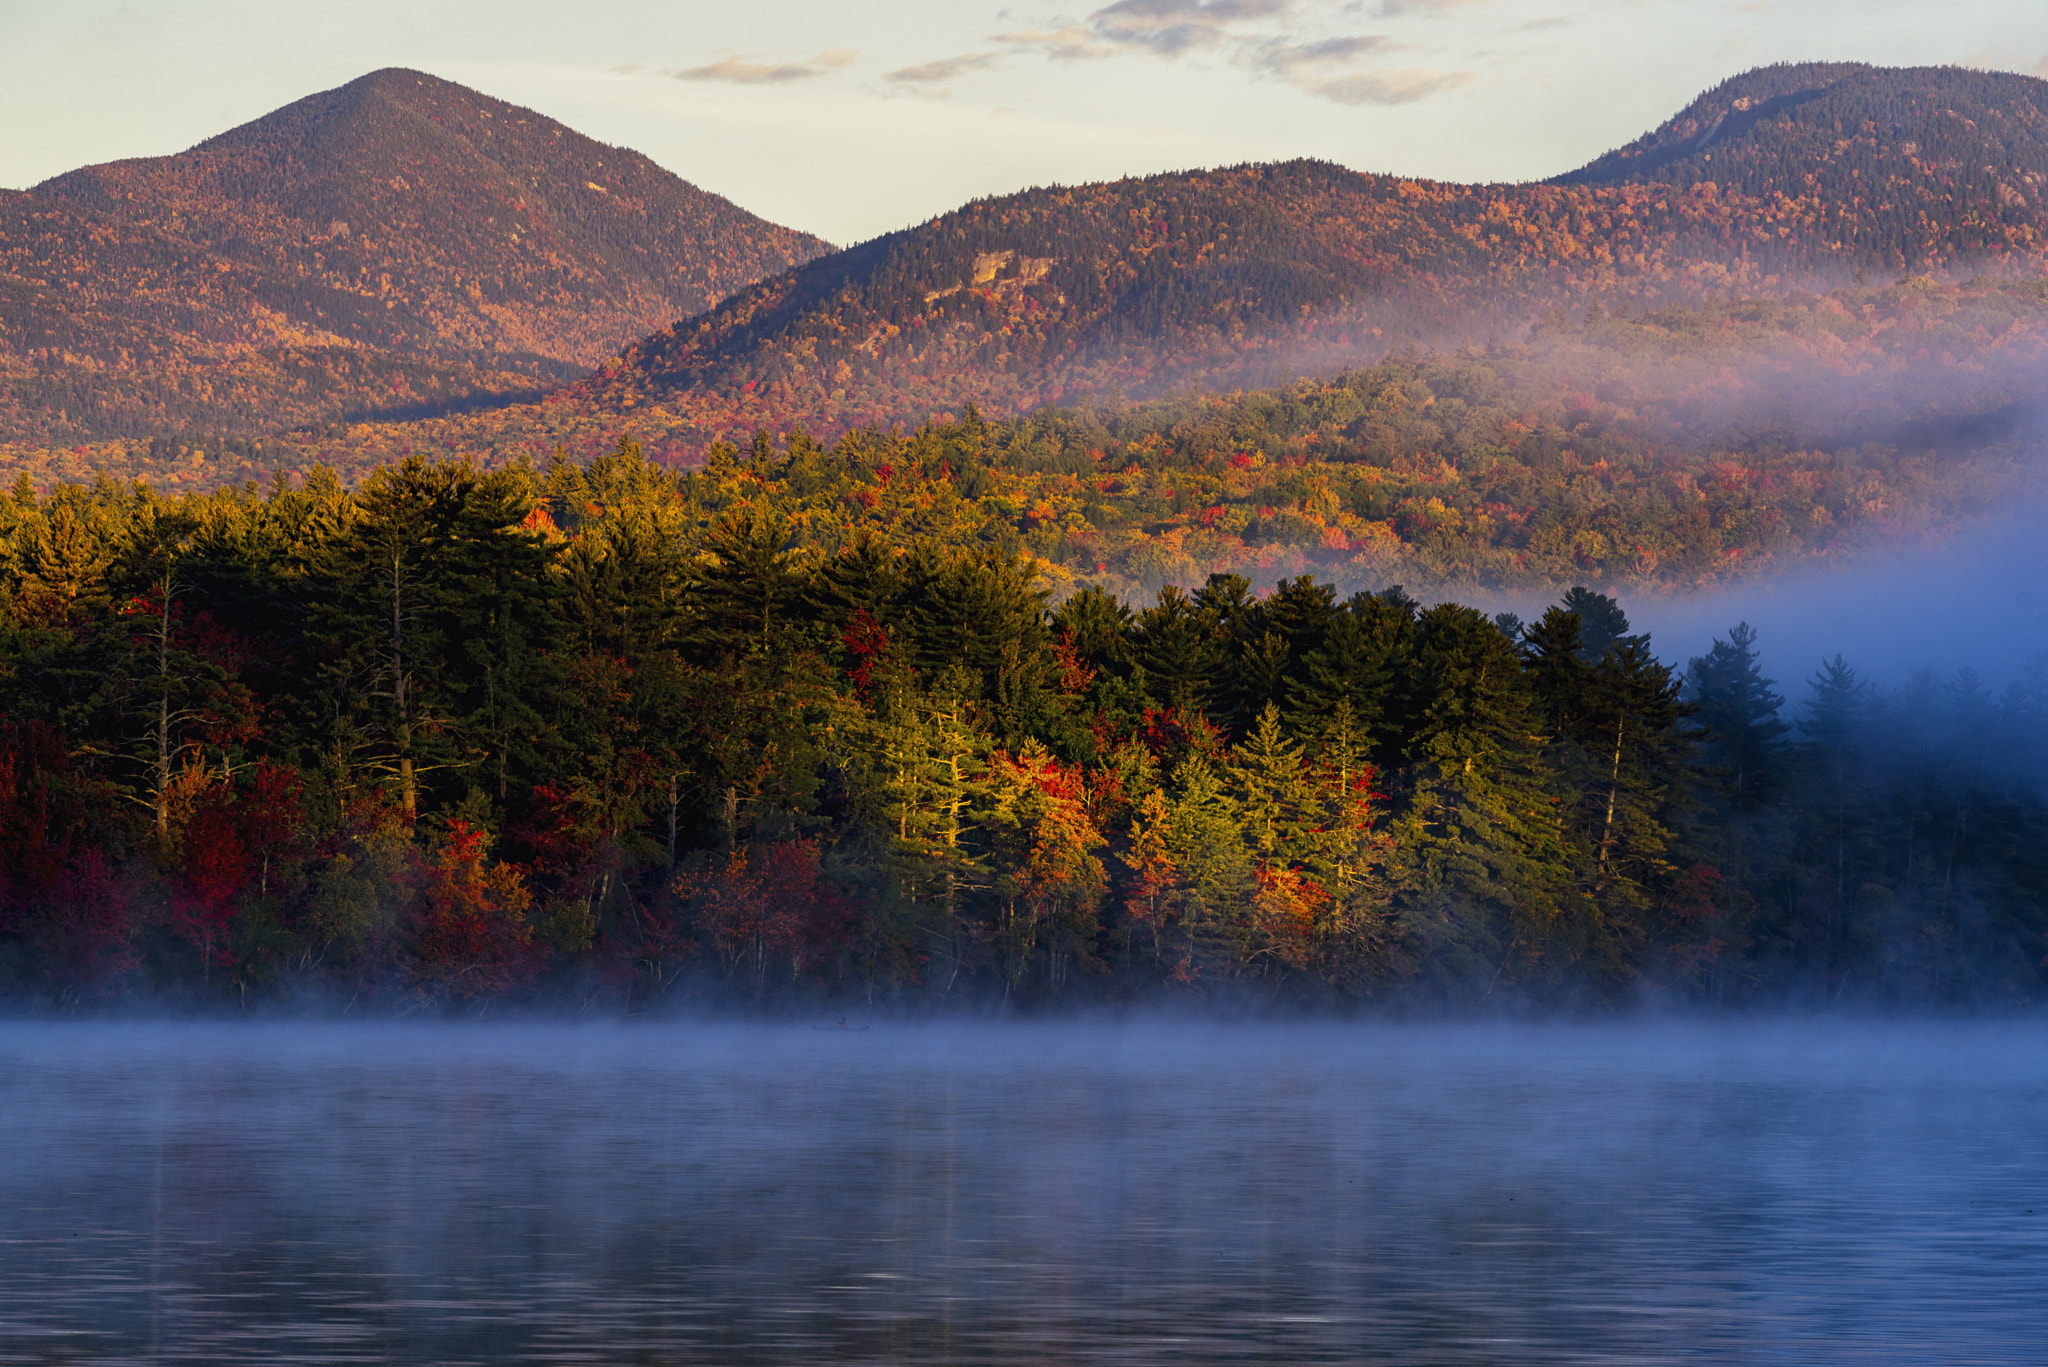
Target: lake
1023	1193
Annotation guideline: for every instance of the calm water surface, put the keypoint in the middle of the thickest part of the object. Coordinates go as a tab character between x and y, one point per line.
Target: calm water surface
1023	1194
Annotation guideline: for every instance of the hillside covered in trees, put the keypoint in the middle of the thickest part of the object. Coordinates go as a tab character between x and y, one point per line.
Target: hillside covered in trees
1673	450
395	246
1882	149
621	738
1245	276
1205	281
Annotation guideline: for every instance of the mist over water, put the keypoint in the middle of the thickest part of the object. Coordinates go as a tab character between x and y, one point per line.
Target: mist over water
1075	1192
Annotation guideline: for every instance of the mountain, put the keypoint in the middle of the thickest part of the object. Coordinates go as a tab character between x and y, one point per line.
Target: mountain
400	216
1253	274
1961	143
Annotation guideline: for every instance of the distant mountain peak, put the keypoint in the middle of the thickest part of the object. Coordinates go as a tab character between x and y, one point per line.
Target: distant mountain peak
425	217
1848	129
397	245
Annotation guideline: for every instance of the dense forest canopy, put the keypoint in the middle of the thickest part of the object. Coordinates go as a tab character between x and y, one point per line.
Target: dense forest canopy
621	735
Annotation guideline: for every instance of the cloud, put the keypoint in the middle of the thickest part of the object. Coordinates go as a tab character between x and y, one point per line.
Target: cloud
943	69
1281	58
1260	36
1395	9
1160	28
1389	87
1073	43
1337	69
740	71
1169	28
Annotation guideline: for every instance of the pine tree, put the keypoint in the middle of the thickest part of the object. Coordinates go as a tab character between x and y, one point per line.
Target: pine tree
504	612
1618	763
406	583
1205	842
1602	623
1175	644
1832	720
1738	715
1273	791
1097	626
624	590
1357	665
171	691
745	589
919	777
1486	872
980	613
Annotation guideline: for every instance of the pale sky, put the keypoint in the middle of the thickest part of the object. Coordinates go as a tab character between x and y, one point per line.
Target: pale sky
849	119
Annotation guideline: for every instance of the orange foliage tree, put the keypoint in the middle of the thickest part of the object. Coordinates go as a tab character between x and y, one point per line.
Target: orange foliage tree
471	935
769	903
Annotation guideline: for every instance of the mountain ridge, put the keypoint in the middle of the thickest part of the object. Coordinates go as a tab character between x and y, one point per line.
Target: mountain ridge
1253	275
399	212
1187	280
1776	128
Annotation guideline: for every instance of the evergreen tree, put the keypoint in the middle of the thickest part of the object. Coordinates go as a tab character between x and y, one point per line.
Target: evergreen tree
398	584
1487	873
383	618
1175	643
173	691
745	589
1358	665
1097	626
1832	720
1738	715
1602	623
1274	793
1205	844
504	613
624	590
979	612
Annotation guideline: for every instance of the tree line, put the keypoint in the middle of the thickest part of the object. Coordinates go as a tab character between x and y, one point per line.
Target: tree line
625	738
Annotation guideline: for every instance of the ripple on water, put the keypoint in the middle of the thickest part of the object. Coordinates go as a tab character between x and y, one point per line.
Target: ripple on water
1101	1194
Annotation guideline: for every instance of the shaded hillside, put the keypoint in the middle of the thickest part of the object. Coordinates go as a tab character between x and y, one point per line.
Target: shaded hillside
399	212
1256	274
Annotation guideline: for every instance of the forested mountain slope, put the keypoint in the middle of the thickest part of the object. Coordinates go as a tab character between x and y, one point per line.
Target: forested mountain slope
1677	449
1255	274
450	231
1206	281
1885	151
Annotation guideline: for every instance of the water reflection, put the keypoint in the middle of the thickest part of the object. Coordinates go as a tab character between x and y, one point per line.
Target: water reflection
1026	1193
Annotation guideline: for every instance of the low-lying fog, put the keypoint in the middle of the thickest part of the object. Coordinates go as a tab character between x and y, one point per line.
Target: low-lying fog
1077	1191
1980	602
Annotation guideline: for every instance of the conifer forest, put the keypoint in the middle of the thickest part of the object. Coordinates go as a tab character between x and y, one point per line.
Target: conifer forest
791	729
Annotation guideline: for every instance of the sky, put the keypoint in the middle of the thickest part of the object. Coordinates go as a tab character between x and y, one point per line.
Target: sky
850	119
